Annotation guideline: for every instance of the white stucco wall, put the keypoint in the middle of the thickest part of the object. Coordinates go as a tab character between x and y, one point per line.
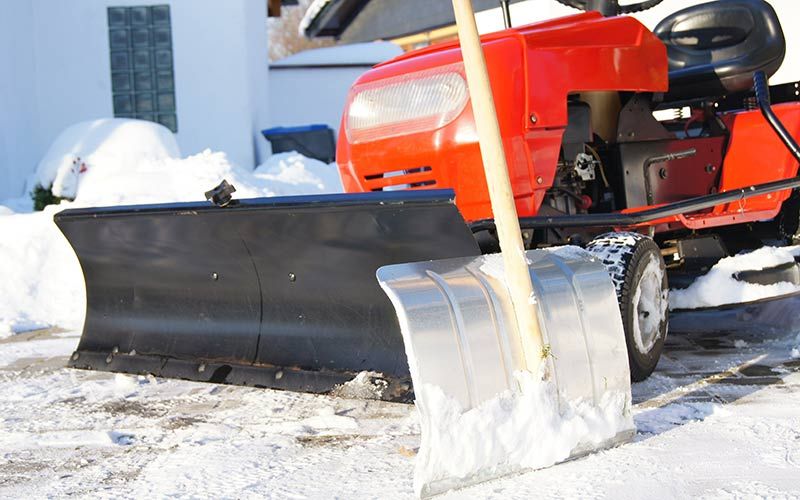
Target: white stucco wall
18	116
55	71
311	87
320	95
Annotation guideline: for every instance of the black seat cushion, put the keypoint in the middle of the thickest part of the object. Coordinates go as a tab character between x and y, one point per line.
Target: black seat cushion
714	48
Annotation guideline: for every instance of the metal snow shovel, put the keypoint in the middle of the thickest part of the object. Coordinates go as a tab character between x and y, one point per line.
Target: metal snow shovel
518	361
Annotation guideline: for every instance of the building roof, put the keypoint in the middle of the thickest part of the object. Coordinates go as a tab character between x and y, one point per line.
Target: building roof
367	20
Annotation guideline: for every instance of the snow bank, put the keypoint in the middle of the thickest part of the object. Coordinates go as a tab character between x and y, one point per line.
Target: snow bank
126	162
365	385
119	161
719	287
292	173
42	282
187	179
108	147
515	431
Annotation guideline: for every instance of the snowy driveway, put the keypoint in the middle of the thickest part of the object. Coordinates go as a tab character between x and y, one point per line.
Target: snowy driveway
720	418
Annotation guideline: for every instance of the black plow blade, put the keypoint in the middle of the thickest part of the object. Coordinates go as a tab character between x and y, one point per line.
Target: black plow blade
775	315
268	292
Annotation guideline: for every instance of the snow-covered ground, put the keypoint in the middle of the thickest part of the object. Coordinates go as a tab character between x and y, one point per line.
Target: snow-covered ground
719	419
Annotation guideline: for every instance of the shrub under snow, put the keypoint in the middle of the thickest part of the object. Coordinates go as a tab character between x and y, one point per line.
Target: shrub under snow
104	148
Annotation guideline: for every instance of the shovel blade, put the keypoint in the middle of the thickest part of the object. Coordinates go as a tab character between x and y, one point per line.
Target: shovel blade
464	350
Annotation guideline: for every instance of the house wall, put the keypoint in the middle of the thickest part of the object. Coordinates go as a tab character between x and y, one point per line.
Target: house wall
311	86
55	71
321	94
18	116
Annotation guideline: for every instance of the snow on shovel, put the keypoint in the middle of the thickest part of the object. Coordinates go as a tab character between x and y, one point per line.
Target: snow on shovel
518	359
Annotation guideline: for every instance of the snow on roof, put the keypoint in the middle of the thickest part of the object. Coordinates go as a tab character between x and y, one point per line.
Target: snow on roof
368	54
313	10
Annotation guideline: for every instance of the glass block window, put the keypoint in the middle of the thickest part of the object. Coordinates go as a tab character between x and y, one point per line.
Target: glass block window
142	72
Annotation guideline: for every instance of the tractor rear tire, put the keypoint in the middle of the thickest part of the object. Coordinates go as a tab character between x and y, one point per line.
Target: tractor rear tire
637	269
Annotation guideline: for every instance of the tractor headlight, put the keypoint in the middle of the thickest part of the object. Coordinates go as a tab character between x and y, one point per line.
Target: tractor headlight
405	104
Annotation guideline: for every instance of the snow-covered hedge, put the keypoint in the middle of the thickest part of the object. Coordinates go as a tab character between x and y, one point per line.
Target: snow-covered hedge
101	148
119	161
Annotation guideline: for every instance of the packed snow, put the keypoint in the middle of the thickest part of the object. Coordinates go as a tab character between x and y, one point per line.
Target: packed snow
42	281
121	162
41	349
719	287
706	429
66	432
286	174
103	148
116	162
365	385
515	431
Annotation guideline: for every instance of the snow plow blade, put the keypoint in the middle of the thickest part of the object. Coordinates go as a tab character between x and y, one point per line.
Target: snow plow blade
461	338
269	292
774	315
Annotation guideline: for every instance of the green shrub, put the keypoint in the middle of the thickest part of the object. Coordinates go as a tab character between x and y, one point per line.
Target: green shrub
42	197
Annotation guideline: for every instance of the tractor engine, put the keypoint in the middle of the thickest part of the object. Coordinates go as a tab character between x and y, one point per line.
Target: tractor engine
580	184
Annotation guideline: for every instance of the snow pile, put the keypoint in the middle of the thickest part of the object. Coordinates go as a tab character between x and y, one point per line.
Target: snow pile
529	429
719	287
365	385
42	281
106	147
187	179
494	265
116	162
292	173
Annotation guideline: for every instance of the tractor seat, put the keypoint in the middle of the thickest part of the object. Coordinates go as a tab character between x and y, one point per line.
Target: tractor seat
714	48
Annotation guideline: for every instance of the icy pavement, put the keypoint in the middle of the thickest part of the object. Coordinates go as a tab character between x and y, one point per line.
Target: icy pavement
720	418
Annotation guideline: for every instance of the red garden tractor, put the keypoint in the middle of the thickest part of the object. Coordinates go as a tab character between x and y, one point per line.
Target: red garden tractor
575	98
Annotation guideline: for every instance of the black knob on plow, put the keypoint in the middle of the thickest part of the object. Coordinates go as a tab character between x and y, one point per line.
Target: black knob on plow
221	195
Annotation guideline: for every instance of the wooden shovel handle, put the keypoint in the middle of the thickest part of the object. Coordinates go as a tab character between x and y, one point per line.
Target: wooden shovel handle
500	193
